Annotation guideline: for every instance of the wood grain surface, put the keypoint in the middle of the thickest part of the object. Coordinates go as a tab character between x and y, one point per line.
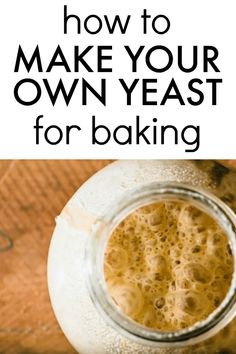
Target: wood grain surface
32	193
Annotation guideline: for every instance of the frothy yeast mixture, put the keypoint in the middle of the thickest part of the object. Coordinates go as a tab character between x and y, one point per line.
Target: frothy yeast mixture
168	265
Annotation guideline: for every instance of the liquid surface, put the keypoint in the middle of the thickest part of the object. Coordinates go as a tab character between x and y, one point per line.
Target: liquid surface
168	265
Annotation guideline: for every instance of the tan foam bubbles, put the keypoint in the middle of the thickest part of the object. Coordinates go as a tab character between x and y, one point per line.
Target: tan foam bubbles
168	265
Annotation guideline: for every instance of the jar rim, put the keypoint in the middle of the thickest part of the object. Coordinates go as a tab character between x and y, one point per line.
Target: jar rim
102	229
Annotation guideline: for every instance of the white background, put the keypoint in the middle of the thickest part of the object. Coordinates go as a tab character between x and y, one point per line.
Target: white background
32	22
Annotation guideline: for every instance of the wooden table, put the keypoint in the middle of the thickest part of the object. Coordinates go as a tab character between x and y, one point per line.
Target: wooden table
32	193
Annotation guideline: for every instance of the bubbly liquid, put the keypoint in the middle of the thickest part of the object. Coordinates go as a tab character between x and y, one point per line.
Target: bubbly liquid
168	265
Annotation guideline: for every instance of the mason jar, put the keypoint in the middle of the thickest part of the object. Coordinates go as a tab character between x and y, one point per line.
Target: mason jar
79	296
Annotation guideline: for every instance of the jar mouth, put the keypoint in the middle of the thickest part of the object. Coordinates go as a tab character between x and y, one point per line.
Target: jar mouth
94	257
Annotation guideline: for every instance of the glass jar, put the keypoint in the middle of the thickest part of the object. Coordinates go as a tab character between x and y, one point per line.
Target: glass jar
77	288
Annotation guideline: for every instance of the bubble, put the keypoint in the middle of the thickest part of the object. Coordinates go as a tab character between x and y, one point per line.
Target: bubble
196	249
163	238
155	219
117	258
183	283
175	253
188	301
149	317
128	297
157	261
210	296
200	238
223	272
217	301
159	302
197	272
